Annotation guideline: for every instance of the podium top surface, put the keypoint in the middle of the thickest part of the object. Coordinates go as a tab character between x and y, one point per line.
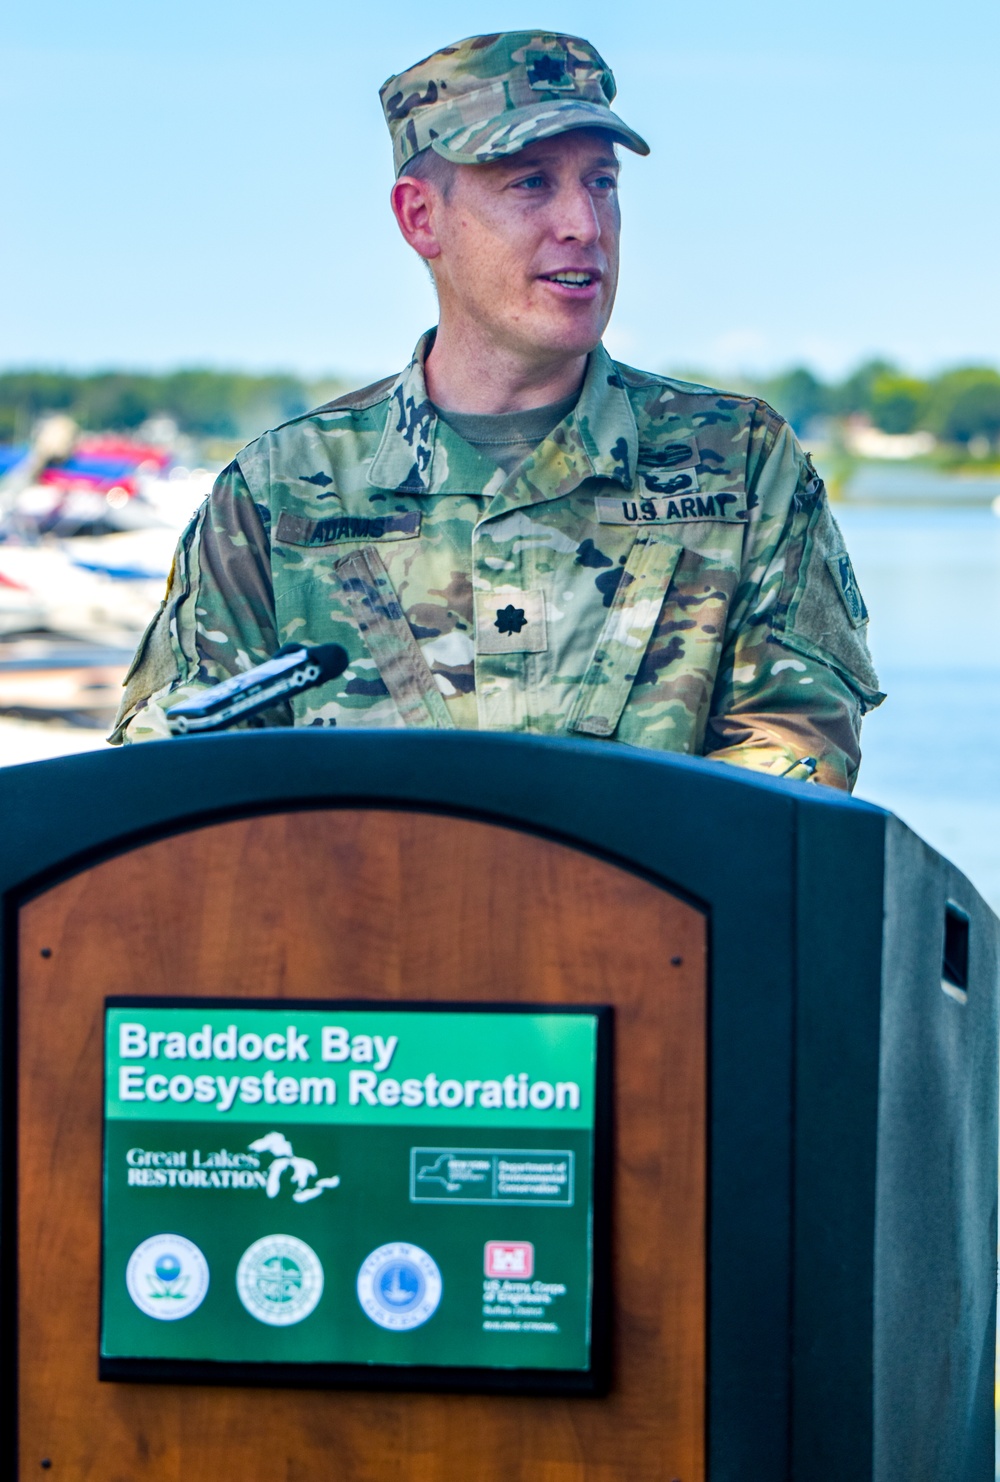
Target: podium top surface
659	813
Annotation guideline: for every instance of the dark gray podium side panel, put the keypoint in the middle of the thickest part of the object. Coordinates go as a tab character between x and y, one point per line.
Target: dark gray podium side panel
936	1211
895	1162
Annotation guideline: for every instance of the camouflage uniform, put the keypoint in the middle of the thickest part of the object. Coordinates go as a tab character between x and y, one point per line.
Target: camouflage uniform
663	570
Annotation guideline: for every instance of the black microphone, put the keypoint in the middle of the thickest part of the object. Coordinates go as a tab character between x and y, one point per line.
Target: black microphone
293	669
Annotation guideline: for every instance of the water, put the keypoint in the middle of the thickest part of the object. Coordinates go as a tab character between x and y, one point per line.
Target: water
931	753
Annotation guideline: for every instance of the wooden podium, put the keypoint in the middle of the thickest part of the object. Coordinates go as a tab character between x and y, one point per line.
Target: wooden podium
804	1177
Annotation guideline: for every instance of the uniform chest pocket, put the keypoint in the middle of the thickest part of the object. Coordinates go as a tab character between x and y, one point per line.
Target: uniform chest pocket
666	627
626	633
304	550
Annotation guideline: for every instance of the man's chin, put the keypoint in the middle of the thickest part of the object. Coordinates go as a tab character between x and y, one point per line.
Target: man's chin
557	337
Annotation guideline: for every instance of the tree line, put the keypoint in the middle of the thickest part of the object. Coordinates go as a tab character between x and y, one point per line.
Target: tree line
203	403
959	406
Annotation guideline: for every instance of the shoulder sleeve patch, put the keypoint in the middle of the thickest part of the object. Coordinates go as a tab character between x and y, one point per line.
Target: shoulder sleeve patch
825	614
847	585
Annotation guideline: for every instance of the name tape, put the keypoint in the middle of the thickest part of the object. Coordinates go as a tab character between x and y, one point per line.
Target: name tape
300	530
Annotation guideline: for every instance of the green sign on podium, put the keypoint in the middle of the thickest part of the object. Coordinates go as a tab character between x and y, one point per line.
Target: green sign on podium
336	1192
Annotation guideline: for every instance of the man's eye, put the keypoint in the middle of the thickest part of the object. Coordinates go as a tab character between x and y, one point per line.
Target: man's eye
605	182
531	182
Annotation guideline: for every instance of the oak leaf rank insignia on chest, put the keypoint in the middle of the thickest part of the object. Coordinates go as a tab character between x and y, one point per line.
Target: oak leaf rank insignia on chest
510	622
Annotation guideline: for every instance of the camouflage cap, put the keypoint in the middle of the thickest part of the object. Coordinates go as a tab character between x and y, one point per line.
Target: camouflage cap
489	96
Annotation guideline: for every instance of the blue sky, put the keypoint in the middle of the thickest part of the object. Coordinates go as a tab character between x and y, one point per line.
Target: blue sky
206	181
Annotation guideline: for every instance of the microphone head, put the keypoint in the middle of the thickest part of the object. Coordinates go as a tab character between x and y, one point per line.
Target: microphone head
331	658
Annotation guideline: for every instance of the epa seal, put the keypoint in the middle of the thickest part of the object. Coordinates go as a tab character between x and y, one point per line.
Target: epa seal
279	1280
399	1286
167	1277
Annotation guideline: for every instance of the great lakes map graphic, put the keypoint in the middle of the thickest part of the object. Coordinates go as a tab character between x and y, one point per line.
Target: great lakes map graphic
302	1169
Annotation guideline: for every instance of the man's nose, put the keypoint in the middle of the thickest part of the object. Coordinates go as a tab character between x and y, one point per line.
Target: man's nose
576	218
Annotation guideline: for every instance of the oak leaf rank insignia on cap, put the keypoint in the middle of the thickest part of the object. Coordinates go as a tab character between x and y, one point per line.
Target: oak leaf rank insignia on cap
489	96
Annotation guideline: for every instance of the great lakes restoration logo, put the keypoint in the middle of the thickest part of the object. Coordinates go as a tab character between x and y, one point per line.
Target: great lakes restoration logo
167	1277
279	1280
184	1168
399	1286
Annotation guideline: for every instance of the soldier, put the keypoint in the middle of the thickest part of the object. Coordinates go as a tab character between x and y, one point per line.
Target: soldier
517	532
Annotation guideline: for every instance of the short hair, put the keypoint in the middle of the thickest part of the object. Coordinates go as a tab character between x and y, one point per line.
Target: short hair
430	166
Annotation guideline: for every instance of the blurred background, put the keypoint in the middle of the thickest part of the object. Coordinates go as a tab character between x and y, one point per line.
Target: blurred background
196	244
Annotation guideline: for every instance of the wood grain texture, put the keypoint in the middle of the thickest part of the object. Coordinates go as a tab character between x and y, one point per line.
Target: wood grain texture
379	904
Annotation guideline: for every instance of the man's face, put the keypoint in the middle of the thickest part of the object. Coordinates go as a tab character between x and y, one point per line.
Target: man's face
529	245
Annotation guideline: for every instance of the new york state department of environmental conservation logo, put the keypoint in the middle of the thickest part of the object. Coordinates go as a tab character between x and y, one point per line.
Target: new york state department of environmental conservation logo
399	1286
167	1277
279	1280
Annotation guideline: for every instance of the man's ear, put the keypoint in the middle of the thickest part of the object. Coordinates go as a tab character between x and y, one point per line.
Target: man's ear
415	204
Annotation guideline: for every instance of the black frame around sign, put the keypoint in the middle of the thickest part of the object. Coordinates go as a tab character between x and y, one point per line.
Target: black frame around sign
593	1381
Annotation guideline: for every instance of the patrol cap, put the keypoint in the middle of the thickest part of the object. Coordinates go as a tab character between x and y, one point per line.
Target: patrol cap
489	96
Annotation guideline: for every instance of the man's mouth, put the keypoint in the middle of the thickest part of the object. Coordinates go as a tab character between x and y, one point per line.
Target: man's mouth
572	277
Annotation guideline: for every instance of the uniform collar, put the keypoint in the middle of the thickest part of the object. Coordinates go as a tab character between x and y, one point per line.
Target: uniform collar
597	440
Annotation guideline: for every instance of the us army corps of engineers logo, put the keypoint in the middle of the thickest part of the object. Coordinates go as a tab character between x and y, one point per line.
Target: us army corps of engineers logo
279	1280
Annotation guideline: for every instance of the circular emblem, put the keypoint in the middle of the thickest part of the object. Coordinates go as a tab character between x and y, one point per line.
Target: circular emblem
167	1277
279	1279
399	1286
